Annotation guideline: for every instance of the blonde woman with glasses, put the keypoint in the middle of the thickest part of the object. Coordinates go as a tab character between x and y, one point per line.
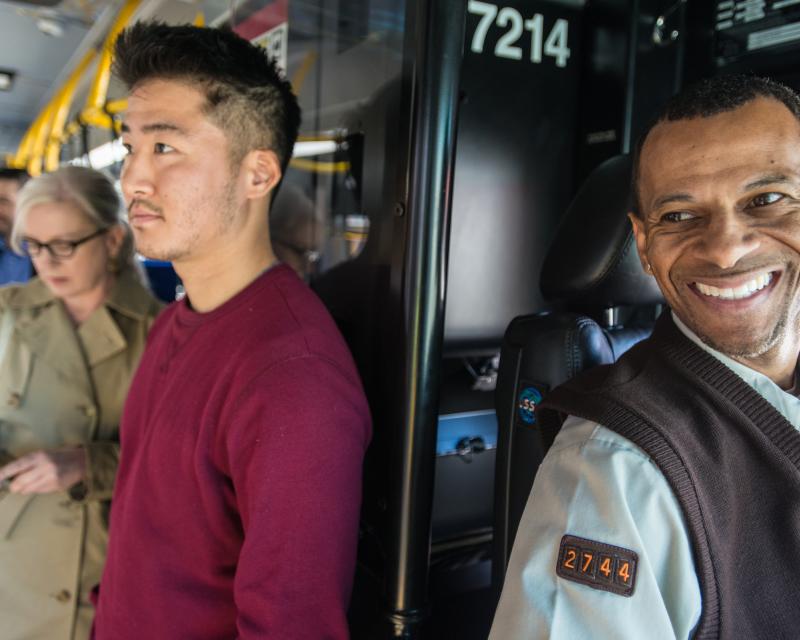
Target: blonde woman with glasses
70	340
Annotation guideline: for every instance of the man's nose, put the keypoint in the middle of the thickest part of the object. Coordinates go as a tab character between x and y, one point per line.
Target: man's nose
138	176
728	239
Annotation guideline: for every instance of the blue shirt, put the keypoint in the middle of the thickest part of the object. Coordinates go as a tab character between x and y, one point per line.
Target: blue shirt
596	484
13	267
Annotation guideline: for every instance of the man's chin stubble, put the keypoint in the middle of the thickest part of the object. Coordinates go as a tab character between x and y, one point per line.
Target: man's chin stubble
746	350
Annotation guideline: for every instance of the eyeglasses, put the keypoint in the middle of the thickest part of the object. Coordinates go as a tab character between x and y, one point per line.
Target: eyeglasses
57	248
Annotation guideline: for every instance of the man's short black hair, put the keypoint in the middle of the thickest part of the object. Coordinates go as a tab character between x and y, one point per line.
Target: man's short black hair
20	176
246	94
708	98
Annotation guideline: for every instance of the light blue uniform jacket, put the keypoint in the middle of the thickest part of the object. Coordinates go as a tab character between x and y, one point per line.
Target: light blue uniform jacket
595	484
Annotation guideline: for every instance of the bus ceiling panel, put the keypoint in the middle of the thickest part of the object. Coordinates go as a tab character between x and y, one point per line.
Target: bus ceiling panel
40	3
10	135
36	58
43	46
30	51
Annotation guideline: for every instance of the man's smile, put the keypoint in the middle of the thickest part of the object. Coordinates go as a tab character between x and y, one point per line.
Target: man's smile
737	290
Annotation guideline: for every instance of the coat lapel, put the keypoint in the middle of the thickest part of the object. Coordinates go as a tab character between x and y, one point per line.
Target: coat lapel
45	328
101	337
100	334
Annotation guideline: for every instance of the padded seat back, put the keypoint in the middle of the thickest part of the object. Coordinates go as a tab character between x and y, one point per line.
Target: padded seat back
592	269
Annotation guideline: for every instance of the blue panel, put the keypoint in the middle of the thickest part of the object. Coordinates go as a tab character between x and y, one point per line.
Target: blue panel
455	426
162	277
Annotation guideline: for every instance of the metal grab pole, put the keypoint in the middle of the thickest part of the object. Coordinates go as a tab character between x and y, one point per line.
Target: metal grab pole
438	56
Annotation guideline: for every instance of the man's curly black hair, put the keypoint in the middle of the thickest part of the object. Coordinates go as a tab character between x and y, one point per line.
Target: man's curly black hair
708	98
246	94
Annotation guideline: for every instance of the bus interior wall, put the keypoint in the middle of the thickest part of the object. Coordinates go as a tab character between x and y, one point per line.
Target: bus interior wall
547	91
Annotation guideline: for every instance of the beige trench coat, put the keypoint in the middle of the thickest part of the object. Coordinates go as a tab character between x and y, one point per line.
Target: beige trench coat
61	386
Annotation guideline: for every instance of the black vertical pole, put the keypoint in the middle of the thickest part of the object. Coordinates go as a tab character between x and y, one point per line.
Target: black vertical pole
439	27
630	76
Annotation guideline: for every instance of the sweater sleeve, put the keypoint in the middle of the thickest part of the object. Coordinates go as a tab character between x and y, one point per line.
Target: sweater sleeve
295	451
595	484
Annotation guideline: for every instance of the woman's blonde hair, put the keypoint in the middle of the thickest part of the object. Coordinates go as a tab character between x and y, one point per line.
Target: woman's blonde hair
89	190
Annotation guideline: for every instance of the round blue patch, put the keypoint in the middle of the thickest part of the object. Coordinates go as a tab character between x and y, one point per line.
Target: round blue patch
528	400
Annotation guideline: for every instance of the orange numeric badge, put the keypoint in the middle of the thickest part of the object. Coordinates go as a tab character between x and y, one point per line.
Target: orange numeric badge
597	565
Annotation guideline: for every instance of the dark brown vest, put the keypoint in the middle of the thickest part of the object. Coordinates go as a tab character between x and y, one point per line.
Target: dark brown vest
733	462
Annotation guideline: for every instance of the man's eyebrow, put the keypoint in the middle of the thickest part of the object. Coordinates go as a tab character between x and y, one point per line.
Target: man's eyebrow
155	127
670	198
769	179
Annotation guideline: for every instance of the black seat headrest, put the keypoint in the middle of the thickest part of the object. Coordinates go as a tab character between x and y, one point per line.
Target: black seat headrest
593	259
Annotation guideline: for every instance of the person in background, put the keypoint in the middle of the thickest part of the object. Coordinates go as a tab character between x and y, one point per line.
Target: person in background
13	267
238	495
295	230
70	340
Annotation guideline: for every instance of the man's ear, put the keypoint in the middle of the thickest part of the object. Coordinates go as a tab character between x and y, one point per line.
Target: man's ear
261	170
641	241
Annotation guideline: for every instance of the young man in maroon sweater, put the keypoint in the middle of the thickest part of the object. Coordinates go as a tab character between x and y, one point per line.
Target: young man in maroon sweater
236	505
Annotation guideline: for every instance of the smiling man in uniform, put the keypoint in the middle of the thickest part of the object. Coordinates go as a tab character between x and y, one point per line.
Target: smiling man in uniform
236	505
669	504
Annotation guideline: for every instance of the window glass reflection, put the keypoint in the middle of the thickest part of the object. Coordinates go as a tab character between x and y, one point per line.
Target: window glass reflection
339	56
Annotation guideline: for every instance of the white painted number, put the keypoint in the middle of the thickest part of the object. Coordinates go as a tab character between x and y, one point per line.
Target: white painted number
487	12
534	25
505	48
555	45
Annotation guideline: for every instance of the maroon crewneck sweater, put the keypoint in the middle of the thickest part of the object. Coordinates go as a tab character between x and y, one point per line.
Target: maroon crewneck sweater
236	506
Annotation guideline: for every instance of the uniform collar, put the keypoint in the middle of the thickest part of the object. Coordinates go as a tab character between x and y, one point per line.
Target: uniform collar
785	402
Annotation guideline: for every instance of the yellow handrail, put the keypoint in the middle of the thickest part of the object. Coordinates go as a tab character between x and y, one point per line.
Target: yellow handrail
20	159
72	129
94	113
40	140
319	166
116	106
41	143
302	73
62	103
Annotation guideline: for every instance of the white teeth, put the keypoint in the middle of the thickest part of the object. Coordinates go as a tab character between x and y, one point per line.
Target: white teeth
743	291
